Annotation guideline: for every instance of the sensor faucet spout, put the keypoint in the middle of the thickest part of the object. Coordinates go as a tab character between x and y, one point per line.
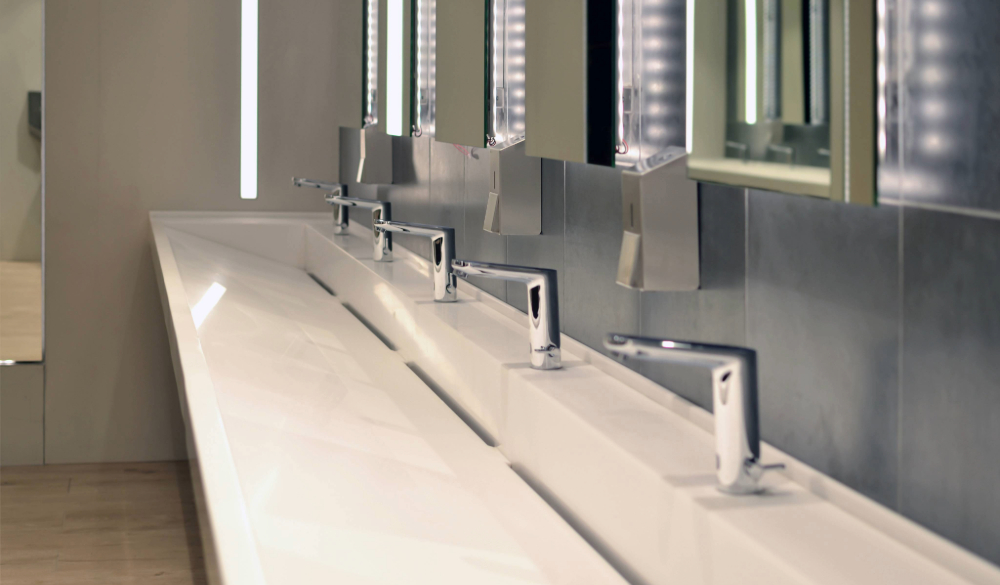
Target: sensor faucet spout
734	397
442	253
333	190
382	251
543	306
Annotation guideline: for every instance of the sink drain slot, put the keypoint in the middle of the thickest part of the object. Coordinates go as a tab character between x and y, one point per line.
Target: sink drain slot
322	284
375	330
463	414
580	527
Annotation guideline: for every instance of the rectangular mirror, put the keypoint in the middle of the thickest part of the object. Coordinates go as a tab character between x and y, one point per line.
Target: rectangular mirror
781	95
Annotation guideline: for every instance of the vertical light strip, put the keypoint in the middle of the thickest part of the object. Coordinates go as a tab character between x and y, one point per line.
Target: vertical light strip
751	64
621	79
689	81
882	74
371	66
248	102
498	63
394	68
421	55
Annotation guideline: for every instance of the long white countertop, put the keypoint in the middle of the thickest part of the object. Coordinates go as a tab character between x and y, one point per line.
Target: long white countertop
324	454
345	467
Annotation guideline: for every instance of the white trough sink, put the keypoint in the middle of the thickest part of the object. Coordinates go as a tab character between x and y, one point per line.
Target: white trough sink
323	457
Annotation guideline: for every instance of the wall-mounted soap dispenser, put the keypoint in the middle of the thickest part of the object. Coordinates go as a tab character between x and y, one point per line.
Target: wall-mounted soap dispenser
514	207
660	220
486	41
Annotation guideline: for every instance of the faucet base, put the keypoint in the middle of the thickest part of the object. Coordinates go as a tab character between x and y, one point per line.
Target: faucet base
546	359
746	490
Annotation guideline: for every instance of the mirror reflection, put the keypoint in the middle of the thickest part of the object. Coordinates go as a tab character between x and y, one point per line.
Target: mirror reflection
21	180
777	90
769	106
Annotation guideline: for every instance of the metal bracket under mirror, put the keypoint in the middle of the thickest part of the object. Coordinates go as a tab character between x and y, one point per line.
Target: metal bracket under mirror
375	165
515	204
660	220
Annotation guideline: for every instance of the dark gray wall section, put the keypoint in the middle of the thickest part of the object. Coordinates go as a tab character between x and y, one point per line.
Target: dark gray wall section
822	312
878	330
949	466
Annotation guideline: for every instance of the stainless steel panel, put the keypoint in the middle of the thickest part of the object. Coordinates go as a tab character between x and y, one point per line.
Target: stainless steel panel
515	203
375	166
660	221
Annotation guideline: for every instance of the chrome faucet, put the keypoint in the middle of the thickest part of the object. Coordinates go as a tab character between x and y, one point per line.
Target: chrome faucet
333	190
380	210
442	253
543	305
734	397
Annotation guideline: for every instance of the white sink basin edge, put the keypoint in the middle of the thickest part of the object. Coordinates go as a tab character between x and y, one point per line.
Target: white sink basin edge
317	455
627	462
225	519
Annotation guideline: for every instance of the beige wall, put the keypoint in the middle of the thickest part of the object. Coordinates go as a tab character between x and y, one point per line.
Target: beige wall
143	106
20	153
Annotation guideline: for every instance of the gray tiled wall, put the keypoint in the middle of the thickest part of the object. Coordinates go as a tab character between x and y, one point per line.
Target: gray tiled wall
877	330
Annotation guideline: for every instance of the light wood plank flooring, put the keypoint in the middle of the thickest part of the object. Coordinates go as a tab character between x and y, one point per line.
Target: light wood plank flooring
21	311
103	523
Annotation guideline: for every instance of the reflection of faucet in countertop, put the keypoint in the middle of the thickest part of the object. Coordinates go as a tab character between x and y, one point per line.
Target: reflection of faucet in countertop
543	306
734	398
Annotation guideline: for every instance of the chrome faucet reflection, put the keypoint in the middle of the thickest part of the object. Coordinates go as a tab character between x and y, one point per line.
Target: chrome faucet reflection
734	397
442	253
333	190
381	210
543	305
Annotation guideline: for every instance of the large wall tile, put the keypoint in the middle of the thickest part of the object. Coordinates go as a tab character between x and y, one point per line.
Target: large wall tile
822	313
410	189
546	250
949	468
479	244
715	312
595	304
447	196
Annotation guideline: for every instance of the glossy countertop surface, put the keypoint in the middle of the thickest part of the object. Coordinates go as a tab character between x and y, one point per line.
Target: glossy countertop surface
351	469
624	460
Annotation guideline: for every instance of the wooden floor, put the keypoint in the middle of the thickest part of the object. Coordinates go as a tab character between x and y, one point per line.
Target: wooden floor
105	523
21	311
